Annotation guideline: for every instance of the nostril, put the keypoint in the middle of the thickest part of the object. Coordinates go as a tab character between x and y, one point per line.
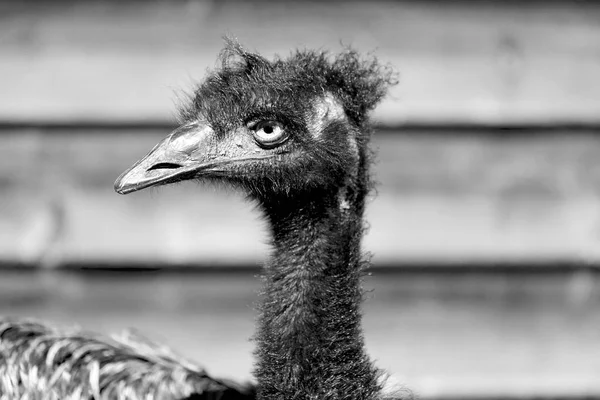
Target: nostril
164	166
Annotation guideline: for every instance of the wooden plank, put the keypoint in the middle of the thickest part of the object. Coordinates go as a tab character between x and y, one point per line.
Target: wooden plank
441	198
445	336
459	62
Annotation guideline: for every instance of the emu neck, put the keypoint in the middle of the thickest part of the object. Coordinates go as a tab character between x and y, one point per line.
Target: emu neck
310	343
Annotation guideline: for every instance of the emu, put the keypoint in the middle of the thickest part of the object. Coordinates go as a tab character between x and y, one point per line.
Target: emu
293	134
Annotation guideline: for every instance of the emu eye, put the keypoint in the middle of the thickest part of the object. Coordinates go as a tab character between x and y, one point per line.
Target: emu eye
269	134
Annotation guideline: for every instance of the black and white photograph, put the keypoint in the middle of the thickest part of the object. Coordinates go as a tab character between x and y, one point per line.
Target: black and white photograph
299	200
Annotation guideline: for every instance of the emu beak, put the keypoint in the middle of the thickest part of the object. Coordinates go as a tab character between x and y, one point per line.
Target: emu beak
179	156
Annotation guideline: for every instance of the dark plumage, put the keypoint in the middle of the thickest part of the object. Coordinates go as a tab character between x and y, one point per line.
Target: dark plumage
38	362
293	134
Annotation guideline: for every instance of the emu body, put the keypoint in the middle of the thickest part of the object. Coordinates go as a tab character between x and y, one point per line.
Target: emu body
293	134
38	362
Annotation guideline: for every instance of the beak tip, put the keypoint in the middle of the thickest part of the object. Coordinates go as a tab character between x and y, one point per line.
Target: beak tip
119	188
133	180
122	186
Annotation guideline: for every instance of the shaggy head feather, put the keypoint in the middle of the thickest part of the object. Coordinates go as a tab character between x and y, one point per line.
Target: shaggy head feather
248	86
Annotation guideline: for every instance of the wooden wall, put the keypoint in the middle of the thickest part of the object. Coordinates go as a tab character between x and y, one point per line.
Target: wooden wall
486	63
488	146
443	197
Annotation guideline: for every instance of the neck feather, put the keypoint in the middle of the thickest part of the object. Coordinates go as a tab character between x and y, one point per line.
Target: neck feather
310	343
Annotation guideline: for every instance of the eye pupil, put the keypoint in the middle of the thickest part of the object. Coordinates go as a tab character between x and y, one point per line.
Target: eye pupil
268	129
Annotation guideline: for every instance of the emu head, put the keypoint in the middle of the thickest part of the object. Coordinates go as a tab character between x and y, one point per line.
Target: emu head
271	127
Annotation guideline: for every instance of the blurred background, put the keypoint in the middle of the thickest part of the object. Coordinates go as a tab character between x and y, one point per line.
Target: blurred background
485	227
